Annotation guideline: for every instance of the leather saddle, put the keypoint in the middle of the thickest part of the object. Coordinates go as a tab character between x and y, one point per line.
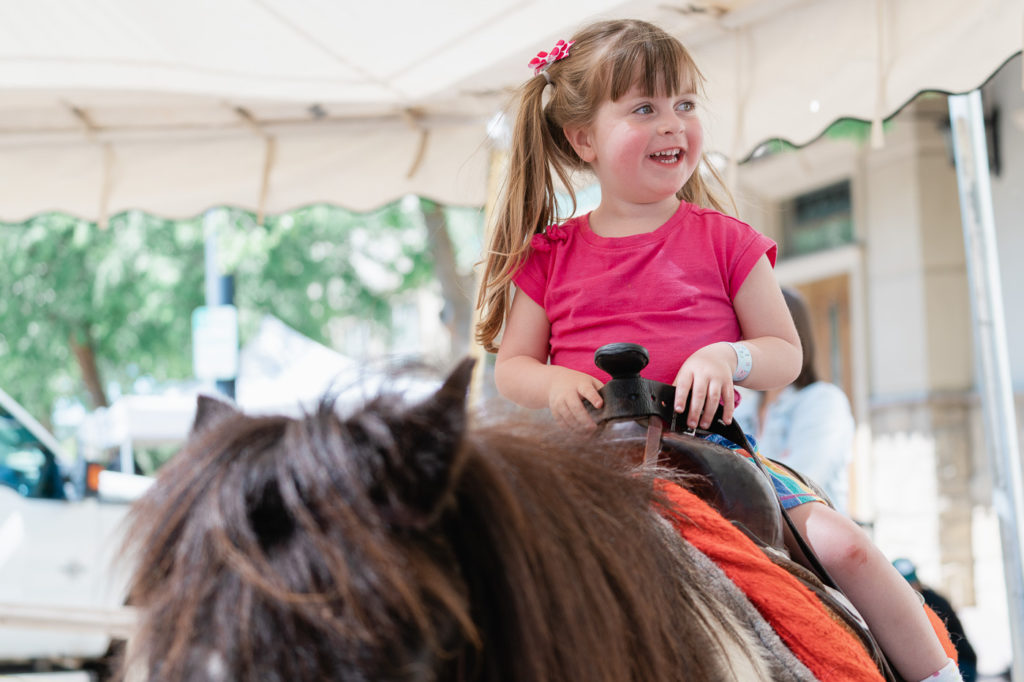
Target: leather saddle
739	489
733	486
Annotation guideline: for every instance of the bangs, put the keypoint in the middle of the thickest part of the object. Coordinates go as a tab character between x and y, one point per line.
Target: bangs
657	65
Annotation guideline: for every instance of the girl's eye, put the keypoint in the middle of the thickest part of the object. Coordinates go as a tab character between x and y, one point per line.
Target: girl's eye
687	105
644	109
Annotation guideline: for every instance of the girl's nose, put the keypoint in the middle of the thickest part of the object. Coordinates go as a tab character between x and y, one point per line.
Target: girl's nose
671	124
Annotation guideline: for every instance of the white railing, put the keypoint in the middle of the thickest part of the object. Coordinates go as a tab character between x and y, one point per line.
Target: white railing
115	622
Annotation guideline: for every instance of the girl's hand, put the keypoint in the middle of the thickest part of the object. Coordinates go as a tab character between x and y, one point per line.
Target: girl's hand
707	375
566	392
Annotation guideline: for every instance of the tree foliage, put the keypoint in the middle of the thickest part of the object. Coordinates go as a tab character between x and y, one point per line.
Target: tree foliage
317	264
82	295
93	309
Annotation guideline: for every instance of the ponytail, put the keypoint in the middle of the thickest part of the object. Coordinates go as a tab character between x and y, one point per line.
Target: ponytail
526	205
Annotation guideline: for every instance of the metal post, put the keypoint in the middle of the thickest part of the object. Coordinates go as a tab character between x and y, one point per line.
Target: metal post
211	272
971	154
227	297
220	289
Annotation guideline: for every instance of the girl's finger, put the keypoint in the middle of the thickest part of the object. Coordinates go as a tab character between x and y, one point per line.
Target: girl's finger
710	406
581	418
683	387
697	397
592	396
558	419
564	417
728	402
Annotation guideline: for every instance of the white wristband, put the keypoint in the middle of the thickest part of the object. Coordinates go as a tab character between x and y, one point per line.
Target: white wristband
743	362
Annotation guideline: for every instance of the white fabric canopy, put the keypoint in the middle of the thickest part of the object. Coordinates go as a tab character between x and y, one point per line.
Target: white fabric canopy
107	105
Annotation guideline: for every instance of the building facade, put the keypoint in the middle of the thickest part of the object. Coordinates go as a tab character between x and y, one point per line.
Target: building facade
872	237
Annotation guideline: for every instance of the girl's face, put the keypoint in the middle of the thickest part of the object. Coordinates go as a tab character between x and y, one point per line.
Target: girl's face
643	149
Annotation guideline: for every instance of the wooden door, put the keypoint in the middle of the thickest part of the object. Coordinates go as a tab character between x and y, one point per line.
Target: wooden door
829	303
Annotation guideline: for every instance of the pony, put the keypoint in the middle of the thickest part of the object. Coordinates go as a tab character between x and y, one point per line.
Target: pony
417	541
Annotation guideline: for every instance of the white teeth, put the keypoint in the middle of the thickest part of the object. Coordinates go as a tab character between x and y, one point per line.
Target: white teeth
669	152
670	155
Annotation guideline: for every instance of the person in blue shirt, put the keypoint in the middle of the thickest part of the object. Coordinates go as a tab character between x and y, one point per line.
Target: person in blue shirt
808	425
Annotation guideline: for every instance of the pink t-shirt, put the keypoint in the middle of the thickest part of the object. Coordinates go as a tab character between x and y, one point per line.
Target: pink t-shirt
670	290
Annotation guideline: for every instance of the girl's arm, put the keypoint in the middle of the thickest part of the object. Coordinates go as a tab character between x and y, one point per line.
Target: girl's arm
768	330
523	375
770	335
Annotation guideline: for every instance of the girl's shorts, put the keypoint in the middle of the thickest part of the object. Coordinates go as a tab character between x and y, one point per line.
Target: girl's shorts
789	489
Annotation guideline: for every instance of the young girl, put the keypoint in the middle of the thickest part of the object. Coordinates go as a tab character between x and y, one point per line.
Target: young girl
655	263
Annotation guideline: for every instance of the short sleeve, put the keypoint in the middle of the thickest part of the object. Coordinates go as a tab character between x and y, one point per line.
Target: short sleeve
750	246
532	275
531	279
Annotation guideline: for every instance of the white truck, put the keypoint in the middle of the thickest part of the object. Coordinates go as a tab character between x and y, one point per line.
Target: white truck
61	592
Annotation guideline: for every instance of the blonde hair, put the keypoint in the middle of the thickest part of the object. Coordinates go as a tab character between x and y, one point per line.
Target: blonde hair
607	59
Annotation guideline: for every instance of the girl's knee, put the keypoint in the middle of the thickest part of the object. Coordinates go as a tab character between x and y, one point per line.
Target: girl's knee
839	543
853	550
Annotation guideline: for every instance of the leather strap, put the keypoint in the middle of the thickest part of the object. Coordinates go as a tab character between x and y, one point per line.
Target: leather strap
630	396
652	448
735	434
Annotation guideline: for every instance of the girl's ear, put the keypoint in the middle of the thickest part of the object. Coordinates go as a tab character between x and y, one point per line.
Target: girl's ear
579	138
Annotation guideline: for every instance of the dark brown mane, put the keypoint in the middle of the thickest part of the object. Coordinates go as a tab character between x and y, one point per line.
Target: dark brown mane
396	544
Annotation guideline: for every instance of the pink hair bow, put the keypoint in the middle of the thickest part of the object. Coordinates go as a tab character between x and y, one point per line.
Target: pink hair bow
543	59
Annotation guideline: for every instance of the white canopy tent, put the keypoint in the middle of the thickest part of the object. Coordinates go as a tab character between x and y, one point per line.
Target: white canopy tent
108	105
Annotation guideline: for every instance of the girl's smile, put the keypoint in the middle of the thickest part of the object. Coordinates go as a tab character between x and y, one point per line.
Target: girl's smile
669	156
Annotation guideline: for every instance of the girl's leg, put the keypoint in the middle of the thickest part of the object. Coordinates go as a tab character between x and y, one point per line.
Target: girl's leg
890	606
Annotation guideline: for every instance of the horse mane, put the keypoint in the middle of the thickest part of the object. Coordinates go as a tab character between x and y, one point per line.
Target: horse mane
400	543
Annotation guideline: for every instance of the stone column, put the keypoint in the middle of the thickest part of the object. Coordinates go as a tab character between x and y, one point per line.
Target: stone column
919	339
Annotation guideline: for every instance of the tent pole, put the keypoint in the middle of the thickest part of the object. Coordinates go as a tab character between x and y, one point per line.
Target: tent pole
992	360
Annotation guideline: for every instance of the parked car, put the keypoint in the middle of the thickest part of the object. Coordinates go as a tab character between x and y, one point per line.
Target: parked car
57	546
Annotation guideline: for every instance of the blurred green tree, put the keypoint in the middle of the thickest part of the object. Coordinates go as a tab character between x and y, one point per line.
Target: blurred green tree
92	308
88	306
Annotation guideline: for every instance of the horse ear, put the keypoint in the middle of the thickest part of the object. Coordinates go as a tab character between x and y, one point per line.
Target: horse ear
455	388
446	409
429	437
210	411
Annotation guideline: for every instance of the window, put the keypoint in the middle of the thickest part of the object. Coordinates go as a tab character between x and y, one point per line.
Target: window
817	220
26	464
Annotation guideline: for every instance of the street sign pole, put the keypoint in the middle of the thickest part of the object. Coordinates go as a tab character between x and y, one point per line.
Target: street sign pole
220	291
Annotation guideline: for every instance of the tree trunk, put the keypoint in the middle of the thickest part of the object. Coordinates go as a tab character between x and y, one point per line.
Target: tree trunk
455	288
86	357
